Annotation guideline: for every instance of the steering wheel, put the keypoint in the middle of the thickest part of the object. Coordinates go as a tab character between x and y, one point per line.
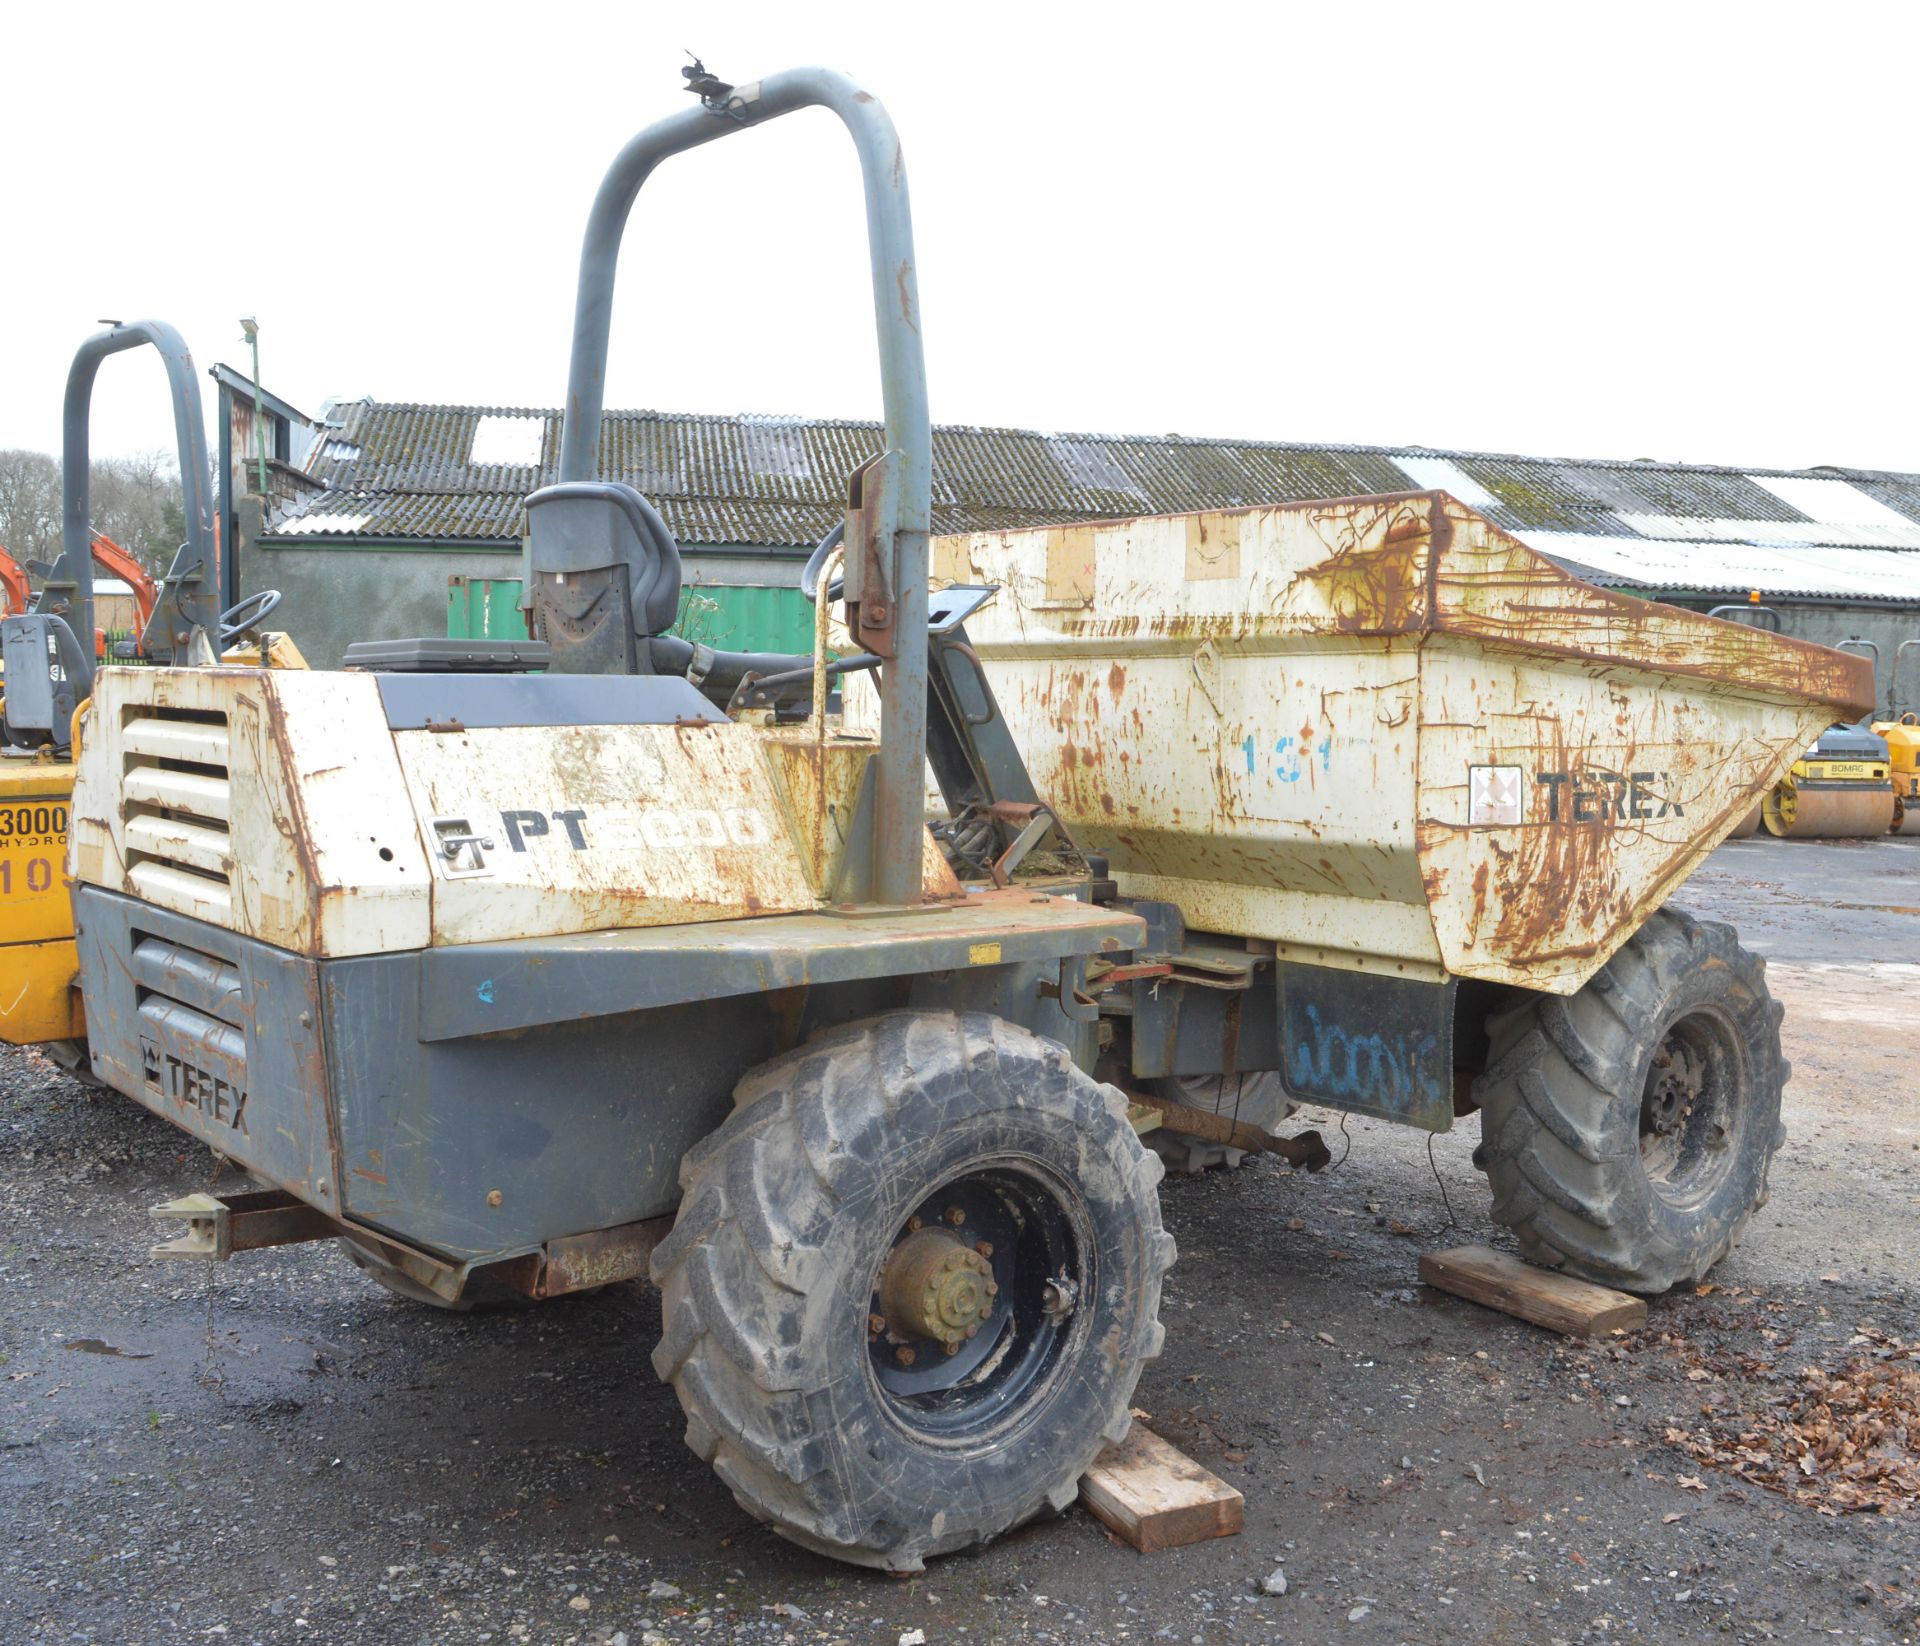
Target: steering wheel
248	615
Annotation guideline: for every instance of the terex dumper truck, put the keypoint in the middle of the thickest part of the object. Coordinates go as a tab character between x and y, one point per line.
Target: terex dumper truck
525	982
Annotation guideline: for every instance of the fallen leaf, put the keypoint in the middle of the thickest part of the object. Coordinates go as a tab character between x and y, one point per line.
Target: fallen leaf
1691	1483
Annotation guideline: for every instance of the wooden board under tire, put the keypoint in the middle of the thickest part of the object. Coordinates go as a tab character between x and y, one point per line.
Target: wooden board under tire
1157	1497
1559	1302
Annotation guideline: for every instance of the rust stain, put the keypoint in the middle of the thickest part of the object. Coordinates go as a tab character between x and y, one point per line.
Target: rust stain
906	296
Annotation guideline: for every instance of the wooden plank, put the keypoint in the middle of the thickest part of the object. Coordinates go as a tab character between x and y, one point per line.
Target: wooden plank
1556	1301
1157	1497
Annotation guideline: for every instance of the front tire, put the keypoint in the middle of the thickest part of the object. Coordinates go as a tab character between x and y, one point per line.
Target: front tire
912	1284
1626	1131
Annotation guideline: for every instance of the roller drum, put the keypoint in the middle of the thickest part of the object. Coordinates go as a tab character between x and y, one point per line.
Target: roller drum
1828	811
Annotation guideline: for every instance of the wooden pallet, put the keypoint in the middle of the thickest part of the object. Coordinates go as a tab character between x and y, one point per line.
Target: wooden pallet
1556	1301
1157	1497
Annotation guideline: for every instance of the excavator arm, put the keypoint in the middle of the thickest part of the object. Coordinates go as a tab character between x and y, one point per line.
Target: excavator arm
13	579
118	562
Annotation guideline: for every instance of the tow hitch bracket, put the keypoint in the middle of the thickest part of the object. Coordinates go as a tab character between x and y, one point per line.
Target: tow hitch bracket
219	1226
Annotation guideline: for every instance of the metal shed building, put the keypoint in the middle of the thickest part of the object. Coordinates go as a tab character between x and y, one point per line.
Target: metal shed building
409	498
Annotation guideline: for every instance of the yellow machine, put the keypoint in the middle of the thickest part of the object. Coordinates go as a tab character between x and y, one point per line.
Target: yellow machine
48	650
1903	757
1840	789
37	999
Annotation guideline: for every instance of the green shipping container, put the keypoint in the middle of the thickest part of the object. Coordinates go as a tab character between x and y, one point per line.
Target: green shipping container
728	617
485	608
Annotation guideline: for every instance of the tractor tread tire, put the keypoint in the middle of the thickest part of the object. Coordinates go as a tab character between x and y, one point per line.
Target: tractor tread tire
1560	1103
780	1208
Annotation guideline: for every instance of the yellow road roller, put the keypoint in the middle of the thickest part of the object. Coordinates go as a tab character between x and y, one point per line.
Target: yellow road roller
1840	789
1903	760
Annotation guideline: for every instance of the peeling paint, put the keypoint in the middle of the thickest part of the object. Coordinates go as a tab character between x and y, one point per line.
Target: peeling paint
1286	755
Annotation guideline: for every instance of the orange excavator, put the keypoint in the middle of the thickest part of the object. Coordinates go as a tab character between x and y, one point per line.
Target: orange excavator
113	559
13	582
117	562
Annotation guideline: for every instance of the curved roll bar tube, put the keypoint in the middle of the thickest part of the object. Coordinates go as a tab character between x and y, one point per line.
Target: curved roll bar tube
899	829
191	600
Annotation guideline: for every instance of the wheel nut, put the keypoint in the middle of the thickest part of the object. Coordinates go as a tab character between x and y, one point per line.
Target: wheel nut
914	1225
952	1345
955	1216
876	1324
904	1355
993	1289
984	1247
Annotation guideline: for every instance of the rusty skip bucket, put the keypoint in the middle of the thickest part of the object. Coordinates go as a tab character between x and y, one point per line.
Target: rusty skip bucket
1382	733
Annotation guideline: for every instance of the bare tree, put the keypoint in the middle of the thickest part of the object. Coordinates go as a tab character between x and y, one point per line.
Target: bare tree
135	500
29	505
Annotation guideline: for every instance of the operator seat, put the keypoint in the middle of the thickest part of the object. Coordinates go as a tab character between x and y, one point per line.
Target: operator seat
603	579
603	576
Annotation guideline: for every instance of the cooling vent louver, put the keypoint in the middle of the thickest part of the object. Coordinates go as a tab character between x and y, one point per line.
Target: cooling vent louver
174	810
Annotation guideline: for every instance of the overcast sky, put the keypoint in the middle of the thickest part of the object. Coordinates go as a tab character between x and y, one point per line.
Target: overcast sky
1676	231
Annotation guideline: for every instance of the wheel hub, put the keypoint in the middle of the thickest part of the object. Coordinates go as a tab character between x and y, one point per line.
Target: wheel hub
935	1286
1685	1109
1675	1084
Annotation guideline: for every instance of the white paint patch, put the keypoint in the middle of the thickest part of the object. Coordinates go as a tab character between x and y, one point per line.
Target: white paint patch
508	442
1831	502
1442	474
1086	464
1785	533
776	448
1670	563
319	525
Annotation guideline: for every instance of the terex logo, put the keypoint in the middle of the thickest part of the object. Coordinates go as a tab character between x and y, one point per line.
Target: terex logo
1607	797
216	1097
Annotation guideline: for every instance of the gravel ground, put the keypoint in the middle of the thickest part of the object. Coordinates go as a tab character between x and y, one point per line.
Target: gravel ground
274	1450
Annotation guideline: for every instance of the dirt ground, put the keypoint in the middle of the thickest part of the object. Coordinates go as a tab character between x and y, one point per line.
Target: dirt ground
274	1450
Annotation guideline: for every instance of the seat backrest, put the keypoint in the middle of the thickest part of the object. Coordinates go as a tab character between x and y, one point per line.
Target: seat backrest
584	526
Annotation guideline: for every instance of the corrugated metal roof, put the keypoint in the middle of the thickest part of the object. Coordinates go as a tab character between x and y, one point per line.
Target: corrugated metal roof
407	472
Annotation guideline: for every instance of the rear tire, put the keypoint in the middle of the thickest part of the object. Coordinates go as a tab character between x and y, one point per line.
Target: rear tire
903	1147
1626	1131
1259	1099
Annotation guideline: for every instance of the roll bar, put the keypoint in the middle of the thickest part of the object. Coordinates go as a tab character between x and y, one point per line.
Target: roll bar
891	499
191	602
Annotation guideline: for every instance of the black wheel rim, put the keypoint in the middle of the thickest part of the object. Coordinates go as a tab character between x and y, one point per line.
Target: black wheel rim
1691	1109
1029	1226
